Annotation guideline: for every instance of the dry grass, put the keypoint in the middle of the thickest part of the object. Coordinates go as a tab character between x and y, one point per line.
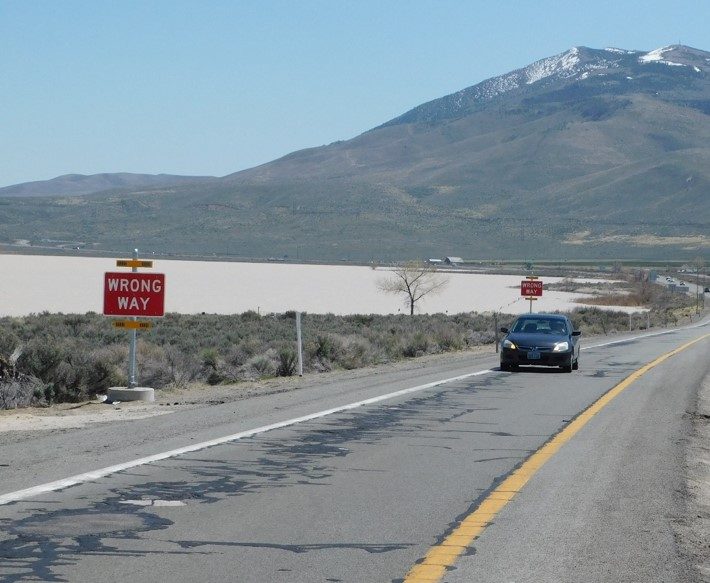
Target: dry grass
645	240
626	300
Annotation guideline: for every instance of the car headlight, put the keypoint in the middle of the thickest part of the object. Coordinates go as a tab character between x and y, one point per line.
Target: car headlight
508	344
561	346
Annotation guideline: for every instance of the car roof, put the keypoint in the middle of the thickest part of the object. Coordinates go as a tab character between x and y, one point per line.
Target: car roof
548	316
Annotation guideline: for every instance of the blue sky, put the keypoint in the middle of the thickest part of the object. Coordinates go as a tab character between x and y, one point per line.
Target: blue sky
212	87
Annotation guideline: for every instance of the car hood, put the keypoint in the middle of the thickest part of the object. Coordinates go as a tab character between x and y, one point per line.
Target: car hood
536	339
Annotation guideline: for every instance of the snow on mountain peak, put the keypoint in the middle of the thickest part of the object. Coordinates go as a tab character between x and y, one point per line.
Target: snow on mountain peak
566	65
566	62
619	51
654	55
657	56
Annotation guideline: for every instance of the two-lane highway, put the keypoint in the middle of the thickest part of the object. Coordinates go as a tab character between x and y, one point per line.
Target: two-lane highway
361	481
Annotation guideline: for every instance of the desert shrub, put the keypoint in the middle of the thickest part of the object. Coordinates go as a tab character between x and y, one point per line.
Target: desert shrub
357	352
212	366
262	366
327	347
160	366
479	337
389	346
287	362
22	391
40	358
449	339
8	343
69	378
361	319
243	351
105	368
591	320
182	368
151	367
214	378
210	358
417	345
250	316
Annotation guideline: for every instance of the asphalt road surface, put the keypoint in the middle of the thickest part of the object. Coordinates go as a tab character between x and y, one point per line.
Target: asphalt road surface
359	480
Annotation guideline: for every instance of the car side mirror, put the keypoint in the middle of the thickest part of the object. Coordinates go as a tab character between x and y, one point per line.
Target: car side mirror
576	333
504	330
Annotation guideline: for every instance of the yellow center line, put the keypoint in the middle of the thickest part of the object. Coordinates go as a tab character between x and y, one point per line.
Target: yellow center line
443	555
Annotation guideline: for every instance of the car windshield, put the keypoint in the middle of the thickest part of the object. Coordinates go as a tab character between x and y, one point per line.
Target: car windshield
540	325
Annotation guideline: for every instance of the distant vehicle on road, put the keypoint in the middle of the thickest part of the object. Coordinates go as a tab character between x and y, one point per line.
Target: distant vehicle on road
540	340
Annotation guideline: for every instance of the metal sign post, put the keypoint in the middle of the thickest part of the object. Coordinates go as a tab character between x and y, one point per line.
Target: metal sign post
134	338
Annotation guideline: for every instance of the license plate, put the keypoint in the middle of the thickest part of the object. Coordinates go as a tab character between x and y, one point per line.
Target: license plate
533	355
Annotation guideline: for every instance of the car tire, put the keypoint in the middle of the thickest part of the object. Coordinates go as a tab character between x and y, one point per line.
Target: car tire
504	367
567	368
575	365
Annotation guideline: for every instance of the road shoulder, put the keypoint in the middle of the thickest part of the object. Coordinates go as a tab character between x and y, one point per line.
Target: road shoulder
693	531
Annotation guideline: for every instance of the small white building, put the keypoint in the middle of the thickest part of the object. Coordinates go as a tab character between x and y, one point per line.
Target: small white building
453	261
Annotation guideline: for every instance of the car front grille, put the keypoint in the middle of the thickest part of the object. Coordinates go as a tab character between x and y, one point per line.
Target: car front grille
536	348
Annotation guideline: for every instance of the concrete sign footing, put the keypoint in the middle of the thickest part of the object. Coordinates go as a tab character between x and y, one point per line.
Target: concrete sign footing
134	394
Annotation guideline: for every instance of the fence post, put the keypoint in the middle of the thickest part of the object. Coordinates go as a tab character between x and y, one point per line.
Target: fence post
298	340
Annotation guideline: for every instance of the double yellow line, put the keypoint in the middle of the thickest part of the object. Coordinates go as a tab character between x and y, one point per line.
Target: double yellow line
442	556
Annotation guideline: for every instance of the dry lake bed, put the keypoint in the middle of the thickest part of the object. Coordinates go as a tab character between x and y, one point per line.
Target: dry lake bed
33	284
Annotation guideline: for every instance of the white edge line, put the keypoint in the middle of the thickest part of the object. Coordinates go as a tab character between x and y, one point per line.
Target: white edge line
97	474
649	335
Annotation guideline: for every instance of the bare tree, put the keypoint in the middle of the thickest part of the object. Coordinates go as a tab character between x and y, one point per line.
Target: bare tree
413	280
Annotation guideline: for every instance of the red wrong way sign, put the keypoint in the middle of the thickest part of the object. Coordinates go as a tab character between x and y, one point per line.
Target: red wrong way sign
531	288
134	294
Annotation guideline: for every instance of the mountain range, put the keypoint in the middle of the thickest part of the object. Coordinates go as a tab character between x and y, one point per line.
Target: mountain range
593	153
79	184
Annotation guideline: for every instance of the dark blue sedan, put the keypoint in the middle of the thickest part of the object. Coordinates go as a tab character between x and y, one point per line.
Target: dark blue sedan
540	340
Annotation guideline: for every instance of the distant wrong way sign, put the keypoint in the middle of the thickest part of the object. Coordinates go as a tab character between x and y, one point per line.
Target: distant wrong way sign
134	294
531	288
